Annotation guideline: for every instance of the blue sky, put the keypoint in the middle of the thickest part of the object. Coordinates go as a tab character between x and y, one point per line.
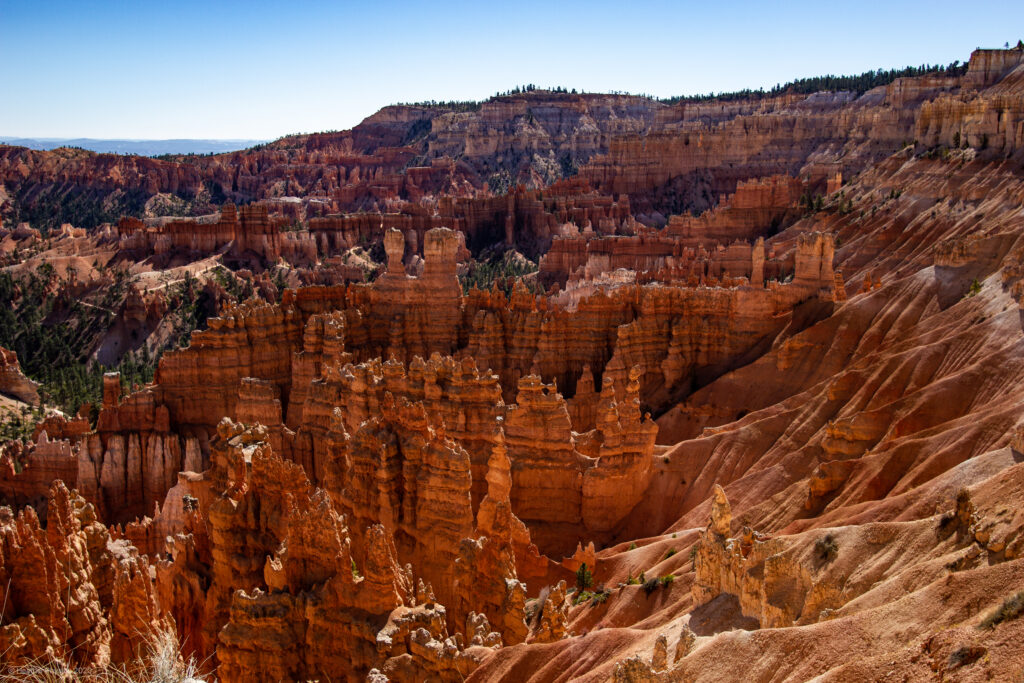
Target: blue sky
257	69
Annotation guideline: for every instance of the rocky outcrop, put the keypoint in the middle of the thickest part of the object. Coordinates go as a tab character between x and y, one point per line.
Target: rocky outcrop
271	577
716	244
245	231
201	382
13	382
565	483
52	605
703	149
418	646
70	592
596	480
28	471
988	67
490	565
552	618
404	473
422	313
753	210
137	620
454	394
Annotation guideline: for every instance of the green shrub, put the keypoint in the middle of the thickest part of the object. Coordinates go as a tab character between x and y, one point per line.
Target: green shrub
1011	608
504	270
18	425
964	655
56	336
600	595
584	577
826	548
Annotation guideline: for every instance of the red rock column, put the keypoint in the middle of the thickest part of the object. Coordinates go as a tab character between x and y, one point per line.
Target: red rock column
111	389
394	246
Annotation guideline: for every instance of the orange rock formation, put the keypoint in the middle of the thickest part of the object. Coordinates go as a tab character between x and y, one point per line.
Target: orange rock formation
13	382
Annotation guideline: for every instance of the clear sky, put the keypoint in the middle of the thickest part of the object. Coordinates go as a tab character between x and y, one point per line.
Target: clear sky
255	69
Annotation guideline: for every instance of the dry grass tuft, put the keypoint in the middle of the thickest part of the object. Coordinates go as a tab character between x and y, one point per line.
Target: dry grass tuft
162	664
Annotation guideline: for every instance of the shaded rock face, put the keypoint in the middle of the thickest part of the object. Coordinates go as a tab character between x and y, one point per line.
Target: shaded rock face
454	394
595	478
561	479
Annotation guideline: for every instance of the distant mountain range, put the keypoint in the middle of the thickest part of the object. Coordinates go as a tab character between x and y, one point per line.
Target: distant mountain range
140	147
